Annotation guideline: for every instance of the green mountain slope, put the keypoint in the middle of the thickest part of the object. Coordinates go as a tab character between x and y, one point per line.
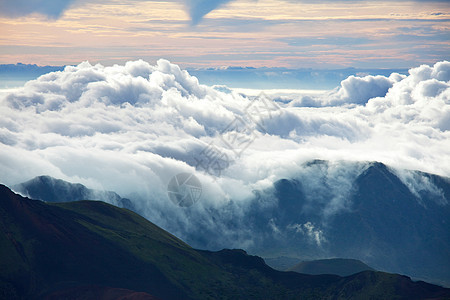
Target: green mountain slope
90	248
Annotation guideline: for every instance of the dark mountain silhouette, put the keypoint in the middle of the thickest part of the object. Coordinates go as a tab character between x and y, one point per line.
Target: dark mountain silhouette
336	266
49	189
90	250
98	293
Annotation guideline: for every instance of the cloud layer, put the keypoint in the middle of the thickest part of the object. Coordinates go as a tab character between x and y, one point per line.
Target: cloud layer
131	128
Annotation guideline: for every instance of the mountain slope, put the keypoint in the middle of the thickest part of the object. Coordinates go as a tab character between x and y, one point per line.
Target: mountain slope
337	266
69	248
410	233
393	224
51	247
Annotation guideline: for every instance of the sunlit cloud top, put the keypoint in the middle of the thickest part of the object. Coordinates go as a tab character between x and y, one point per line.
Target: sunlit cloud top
215	33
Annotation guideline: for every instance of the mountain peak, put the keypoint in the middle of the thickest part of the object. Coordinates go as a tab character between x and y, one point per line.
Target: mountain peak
49	189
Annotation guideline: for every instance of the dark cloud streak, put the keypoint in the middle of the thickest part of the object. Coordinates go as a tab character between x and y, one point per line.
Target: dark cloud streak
199	8
49	8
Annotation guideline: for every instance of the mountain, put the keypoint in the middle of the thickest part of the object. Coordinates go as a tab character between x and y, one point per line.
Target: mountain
394	220
15	75
99	293
410	230
281	263
337	266
91	249
49	189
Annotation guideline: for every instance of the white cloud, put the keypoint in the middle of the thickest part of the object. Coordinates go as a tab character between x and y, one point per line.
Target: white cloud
312	233
131	128
419	184
359	90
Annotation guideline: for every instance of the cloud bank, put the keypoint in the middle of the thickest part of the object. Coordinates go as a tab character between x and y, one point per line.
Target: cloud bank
131	128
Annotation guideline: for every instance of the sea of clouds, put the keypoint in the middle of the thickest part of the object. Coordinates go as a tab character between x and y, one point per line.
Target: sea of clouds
131	128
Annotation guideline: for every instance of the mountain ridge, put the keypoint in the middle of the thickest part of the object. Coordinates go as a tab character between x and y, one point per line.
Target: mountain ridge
337	266
52	248
393	220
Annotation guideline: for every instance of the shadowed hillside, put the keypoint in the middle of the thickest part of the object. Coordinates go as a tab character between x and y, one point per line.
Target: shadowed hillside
92	248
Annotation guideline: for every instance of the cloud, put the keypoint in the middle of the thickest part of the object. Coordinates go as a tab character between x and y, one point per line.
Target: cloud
18	8
314	235
199	8
359	90
420	184
131	128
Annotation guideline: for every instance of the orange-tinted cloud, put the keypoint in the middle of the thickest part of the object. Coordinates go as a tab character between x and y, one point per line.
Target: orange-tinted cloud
246	33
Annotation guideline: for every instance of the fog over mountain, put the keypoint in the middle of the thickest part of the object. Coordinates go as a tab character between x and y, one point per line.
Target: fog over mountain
330	209
49	189
131	128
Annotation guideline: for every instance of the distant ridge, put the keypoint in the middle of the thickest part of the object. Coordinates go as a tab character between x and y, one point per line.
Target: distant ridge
50	189
15	75
336	266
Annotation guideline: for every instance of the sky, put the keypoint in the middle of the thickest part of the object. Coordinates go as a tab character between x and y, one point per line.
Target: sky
199	33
